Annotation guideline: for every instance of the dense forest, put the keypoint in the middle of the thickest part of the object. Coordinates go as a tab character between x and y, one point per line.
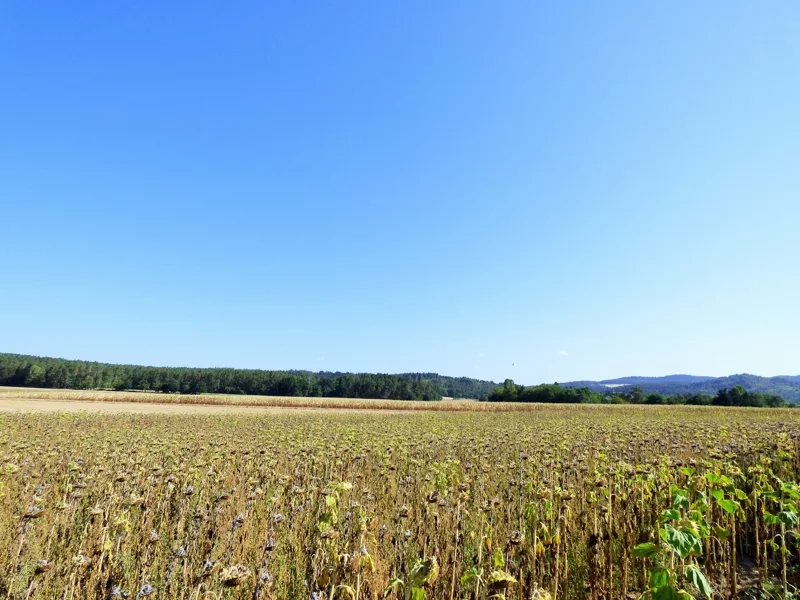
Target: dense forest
34	371
735	396
456	387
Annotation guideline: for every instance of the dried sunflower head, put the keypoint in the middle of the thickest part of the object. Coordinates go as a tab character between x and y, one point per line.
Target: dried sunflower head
516	538
209	568
499	581
234	575
34	512
329	534
116	592
43	566
425	572
79	560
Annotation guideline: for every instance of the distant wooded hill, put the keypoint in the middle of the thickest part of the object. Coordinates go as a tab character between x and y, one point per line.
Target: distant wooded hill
35	371
786	386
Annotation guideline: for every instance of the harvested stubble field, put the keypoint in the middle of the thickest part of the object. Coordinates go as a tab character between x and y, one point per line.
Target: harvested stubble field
9	395
578	502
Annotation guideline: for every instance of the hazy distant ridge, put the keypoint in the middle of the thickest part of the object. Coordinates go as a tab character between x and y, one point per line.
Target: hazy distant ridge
786	386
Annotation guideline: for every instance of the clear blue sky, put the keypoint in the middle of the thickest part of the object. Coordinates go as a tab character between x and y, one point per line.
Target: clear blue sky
585	190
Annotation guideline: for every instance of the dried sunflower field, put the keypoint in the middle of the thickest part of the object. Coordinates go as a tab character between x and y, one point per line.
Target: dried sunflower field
556	502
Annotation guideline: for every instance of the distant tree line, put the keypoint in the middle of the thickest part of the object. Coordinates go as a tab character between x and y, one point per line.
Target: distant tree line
512	392
787	387
33	371
554	393
456	387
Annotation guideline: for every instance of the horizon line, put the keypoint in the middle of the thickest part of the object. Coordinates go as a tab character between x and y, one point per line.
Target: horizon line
598	381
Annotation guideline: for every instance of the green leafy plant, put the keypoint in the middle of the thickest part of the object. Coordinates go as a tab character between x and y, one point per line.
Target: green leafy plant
786	518
424	574
674	558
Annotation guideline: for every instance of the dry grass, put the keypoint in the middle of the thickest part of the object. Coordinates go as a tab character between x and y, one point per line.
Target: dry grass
451	405
10	404
10	396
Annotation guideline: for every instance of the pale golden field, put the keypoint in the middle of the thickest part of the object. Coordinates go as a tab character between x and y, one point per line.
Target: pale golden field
8	394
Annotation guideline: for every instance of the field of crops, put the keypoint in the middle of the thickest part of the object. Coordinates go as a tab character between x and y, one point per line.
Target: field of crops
108	396
558	502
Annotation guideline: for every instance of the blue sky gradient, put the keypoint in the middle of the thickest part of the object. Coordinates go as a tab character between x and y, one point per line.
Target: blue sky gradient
585	190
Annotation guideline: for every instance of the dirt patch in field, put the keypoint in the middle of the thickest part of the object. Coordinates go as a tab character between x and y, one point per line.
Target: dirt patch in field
29	405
